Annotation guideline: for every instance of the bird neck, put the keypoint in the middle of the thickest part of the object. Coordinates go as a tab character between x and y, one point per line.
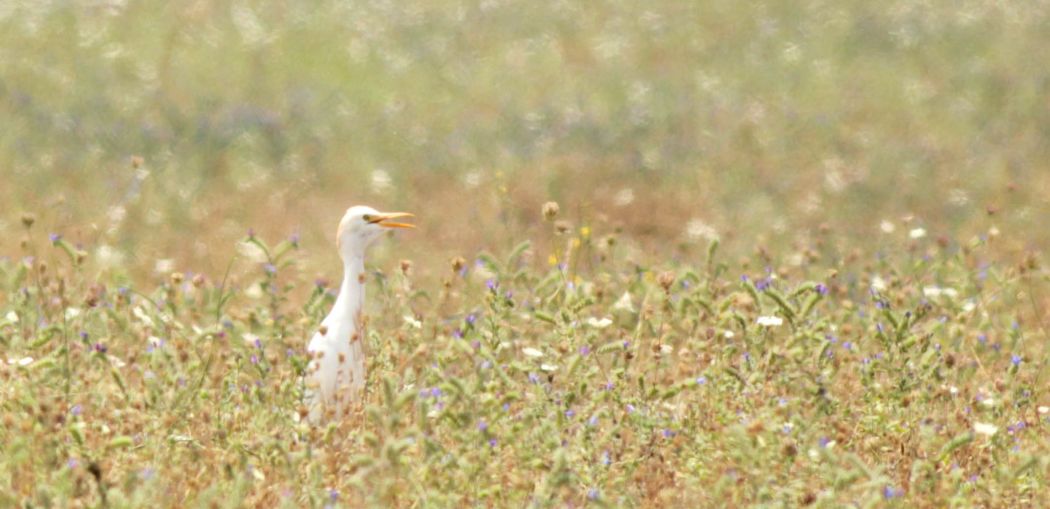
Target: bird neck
352	292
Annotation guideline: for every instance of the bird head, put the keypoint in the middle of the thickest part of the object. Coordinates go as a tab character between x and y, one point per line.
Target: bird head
361	225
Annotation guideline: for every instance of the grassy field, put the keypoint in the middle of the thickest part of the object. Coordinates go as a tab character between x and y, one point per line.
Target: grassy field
798	259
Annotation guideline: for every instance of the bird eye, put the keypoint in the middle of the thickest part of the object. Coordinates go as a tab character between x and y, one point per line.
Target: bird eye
367	218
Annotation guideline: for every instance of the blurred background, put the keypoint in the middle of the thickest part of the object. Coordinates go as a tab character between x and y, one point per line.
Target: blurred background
154	131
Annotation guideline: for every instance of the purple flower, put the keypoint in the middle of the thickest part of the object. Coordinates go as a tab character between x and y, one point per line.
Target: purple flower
593	421
1015	359
492	442
333	495
609	385
270	268
100	348
72	463
570	413
147	473
294	239
701	380
471	318
506	407
630	408
592	494
584	350
847	345
822	289
258	343
889	492
823	442
533	378
668	433
255	359
492	284
54	237
482	426
605	458
435	392
76	410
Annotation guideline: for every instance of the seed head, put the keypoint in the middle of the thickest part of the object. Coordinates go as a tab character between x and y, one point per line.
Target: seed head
458	263
176	278
28	219
406	266
562	227
550	210
666	279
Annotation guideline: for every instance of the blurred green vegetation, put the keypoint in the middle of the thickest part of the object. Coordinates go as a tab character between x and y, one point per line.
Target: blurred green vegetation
757	118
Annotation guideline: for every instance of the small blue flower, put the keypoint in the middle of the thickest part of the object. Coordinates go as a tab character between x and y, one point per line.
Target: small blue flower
533	378
606	461
823	442
435	392
1015	359
471	318
593	421
76	410
701	380
630	408
482	425
889	492
668	433
570	413
593	494
333	495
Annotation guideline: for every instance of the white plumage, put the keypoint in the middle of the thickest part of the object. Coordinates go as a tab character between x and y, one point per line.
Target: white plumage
335	376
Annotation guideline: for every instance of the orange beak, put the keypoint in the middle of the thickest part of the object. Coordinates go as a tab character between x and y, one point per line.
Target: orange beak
386	220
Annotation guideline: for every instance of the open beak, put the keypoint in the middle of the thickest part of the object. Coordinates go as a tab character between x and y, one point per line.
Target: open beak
387	220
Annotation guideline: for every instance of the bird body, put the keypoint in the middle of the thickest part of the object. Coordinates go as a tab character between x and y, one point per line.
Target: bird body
335	377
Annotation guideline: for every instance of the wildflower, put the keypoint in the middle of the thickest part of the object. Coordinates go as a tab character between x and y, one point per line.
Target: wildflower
985	429
72	463
1015	359
824	442
585	350
593	421
532	352
889	492
76	410
592	494
570	413
548	367
435	392
54	237
630	408
667	433
482	426
606	461
471	319
599	323
701	380
254	359
491	284
822	288
533	378
770	321
550	210
100	348
492	442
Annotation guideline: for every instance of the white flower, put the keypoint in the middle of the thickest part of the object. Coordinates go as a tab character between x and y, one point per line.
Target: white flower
696	229
985	429
878	284
532	352
624	304
770	321
917	233
412	322
250	338
24	361
548	367
599	323
935	291
1043	410
11	317
72	313
887	227
728	334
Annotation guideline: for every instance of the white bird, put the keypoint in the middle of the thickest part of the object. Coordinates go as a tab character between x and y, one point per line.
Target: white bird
335	376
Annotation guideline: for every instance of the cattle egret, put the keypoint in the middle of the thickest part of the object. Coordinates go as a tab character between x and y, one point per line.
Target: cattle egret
335	376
